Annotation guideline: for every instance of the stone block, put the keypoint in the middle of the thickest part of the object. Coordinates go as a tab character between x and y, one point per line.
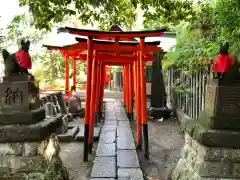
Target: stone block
212	138
22	117
80	135
108	137
16	176
33	132
30	149
127	159
27	164
222	102
36	176
104	167
106	149
19	96
69	136
130	174
15	149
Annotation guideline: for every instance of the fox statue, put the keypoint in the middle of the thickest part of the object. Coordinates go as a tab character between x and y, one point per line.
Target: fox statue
19	62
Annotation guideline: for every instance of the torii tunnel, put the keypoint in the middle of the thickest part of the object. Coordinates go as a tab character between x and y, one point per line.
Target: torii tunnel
99	53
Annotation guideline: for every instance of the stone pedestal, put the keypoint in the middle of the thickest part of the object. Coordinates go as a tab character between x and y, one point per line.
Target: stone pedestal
212	146
29	148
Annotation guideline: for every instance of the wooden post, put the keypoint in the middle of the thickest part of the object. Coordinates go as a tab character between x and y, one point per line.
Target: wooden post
88	97
74	73
93	101
96	116
138	107
67	74
124	86
130	89
126	89
143	99
102	87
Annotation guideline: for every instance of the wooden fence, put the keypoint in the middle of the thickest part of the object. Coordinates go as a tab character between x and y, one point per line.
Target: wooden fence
186	92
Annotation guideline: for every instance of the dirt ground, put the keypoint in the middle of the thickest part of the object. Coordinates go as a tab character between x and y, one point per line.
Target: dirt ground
72	157
165	143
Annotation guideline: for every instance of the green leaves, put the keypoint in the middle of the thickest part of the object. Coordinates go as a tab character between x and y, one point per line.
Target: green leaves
106	12
199	41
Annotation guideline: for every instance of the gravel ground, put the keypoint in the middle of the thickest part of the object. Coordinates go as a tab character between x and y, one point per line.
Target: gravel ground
72	157
165	143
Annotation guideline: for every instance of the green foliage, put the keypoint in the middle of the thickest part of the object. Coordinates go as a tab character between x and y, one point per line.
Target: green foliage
106	12
199	41
22	25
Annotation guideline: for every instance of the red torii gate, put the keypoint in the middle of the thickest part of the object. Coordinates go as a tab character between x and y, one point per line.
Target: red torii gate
100	53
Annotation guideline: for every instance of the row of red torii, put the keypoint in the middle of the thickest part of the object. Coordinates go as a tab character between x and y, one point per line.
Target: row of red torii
100	49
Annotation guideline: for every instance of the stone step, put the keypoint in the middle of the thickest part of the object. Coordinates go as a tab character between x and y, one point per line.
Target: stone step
80	134
69	135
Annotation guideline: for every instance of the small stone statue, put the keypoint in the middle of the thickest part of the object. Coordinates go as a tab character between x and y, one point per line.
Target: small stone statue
19	62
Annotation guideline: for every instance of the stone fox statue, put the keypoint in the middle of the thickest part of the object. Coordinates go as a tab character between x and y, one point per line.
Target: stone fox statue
19	62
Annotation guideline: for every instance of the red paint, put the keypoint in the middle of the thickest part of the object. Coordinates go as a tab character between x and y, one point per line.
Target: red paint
93	100
66	73
143	84
89	77
74	72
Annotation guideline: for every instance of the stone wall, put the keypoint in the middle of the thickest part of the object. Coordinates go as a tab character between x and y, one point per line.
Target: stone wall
199	162
32	161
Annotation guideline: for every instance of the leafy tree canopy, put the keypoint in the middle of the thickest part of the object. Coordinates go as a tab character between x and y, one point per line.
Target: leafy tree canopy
199	41
107	12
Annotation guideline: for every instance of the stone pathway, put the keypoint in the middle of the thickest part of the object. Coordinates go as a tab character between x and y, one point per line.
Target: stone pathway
116	156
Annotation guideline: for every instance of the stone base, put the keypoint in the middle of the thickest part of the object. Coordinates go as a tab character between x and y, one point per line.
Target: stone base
30	133
158	113
211	137
21	117
200	162
32	161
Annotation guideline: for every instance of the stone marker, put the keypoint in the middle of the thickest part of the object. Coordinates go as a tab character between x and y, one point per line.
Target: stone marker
29	146
212	146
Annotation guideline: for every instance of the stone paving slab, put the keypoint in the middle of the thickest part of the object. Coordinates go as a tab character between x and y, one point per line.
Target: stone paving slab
116	132
124	131
108	128
123	124
107	137
104	167
125	143
130	174
127	159
120	118
106	149
110	119
113	122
